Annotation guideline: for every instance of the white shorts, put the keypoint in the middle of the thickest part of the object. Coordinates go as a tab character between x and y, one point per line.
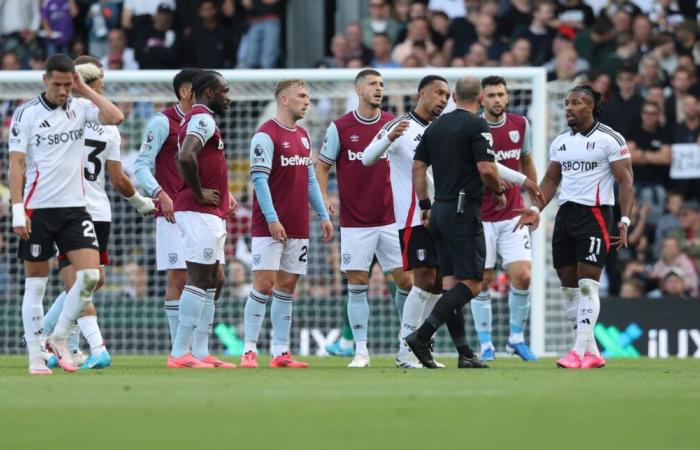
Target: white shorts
271	254
358	246
203	237
501	240
169	254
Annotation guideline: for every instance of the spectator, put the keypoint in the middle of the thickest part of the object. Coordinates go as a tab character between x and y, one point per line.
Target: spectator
477	56
263	37
632	288
161	47
521	50
602	83
670	220
339	52
638	236
561	44
688	131
418	31
452	9
622	112
118	50
621	22
411	61
19	23
650	74
575	15
517	12
10	61
686	37
655	94
486	35
57	20
115	62
671	256
681	81
540	33
565	66
379	21
381	48
666	14
642	33
597	43
650	147
212	44
353	35
672	284
437	59
688	234
137	16
665	52
440	30
239	280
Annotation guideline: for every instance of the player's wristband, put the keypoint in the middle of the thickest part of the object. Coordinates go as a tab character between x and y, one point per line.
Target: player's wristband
142	204
19	217
626	220
424	204
535	208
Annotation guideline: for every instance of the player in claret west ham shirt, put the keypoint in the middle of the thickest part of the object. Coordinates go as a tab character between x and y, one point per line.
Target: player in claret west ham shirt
367	224
512	148
157	174
585	162
285	183
202	205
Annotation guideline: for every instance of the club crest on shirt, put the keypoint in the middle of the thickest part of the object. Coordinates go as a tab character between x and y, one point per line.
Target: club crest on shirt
208	253
35	250
590	145
514	135
306	143
256	259
421	254
346	258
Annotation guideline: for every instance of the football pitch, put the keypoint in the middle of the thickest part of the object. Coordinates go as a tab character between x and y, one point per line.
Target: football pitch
139	404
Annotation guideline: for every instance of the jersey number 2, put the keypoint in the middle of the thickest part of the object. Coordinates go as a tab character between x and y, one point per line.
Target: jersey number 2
89	232
99	147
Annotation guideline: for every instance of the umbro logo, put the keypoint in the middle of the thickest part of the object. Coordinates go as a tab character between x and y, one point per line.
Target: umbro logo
592	258
354	138
562	148
45	124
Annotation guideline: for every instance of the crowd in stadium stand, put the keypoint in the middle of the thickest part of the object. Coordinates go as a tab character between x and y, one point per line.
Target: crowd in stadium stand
643	56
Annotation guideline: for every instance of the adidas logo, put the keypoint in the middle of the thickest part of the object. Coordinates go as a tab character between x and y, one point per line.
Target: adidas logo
562	148
586	321
45	124
592	258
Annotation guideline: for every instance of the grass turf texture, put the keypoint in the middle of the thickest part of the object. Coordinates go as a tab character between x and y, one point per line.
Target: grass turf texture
139	404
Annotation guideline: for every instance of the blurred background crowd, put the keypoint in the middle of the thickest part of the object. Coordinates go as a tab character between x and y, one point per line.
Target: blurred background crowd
643	56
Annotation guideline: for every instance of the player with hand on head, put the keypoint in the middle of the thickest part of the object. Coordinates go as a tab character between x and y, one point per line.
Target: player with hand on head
157	173
285	183
512	147
101	155
47	139
202	205
367	224
585	162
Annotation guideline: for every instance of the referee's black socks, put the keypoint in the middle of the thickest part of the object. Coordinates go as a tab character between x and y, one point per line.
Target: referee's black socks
447	308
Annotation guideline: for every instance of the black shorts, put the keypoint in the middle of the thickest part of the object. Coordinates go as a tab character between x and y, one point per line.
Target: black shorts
459	239
102	230
417	248
582	235
66	228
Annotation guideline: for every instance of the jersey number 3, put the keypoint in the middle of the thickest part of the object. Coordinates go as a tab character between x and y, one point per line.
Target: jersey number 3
99	147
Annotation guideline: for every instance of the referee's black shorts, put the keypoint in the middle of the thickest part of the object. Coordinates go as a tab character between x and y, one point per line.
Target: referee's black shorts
459	239
582	235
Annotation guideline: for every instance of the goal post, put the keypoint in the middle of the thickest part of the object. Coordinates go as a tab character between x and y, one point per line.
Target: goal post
132	314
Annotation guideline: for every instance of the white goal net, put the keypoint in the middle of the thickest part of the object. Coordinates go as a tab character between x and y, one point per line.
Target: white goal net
130	306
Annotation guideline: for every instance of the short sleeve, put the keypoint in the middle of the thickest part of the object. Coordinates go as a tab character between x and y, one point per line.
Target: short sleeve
331	145
481	141
262	151
616	147
553	151
91	112
20	131
527	141
201	126
113	144
423	149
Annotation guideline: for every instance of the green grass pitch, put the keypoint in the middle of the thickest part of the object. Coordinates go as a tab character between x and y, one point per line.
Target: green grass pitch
139	404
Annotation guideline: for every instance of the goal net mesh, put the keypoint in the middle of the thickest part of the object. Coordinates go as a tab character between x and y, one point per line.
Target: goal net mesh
130	305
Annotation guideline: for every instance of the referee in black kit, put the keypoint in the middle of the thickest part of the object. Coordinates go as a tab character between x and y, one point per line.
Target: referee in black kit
458	147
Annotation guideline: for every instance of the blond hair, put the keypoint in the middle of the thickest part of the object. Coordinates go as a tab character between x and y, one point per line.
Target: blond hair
283	85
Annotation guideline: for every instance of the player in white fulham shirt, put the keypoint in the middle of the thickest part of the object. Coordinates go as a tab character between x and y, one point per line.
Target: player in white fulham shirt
585	162
101	155
46	147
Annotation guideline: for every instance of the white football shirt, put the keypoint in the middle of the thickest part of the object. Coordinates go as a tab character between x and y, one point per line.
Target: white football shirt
585	164
401	153
53	139
102	144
